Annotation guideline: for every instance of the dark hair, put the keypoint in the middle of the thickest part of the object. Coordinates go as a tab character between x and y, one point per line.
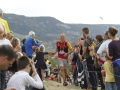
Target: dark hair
76	46
23	41
99	38
85	30
7	50
106	33
22	62
112	30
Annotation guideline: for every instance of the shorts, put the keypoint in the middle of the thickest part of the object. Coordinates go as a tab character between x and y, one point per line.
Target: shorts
63	62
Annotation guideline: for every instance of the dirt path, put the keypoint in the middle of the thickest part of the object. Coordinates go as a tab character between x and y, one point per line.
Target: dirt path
53	85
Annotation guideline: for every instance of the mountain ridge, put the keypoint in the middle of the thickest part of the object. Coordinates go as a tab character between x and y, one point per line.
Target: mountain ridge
47	29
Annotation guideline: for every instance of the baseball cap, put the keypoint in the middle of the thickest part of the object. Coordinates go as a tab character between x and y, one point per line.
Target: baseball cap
1	11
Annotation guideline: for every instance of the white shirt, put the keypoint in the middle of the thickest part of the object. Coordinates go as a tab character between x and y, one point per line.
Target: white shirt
103	46
5	42
21	79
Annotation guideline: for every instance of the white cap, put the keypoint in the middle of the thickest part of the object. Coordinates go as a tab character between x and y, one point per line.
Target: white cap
1	11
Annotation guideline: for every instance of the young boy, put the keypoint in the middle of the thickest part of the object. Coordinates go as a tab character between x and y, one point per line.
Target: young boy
109	79
22	78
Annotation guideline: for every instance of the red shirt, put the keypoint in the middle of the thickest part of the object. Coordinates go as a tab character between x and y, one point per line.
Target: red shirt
61	53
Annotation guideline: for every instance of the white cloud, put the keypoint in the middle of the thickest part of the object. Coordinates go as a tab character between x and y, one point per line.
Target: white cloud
68	11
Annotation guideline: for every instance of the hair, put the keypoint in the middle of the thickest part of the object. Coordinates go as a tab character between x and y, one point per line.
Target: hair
2	30
23	41
41	48
15	42
19	55
112	30
99	38
10	36
85	30
76	46
22	62
31	33
106	33
7	50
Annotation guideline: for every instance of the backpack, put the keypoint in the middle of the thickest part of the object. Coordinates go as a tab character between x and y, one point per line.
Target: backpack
91	42
65	48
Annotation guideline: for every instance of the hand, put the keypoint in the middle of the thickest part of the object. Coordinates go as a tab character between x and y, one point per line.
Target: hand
97	56
66	54
18	48
11	88
90	47
33	66
104	51
51	53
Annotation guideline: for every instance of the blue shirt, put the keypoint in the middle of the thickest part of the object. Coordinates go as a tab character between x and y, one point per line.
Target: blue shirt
29	42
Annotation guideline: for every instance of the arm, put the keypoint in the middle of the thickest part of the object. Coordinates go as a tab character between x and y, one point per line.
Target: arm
7	27
70	48
34	43
36	82
85	47
101	61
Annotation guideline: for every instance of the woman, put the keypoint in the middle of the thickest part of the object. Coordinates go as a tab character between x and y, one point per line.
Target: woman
114	53
99	41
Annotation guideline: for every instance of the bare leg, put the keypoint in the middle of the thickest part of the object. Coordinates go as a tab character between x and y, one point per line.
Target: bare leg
42	73
63	73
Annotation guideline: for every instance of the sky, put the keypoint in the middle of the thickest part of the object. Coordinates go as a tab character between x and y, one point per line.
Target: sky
67	11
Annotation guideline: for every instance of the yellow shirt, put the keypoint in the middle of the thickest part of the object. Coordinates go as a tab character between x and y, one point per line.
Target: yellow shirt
69	45
5	23
109	72
47	62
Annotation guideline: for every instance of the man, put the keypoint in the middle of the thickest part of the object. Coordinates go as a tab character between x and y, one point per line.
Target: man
22	78
5	23
104	46
92	80
7	57
3	41
30	43
62	47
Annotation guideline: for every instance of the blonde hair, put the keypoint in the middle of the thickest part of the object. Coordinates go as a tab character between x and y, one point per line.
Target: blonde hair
41	48
2	30
15	42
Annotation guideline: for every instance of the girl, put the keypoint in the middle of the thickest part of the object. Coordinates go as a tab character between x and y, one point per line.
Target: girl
40	62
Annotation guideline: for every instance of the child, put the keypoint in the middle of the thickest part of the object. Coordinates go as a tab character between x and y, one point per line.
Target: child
22	78
13	68
109	79
40	62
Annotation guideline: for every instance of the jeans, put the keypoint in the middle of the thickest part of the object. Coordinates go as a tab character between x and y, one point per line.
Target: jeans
117	76
98	70
110	85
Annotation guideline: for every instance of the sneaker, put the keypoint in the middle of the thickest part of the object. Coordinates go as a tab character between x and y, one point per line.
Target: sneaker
65	84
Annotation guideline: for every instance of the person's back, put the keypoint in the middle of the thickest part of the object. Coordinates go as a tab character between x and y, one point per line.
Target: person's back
22	78
115	49
29	42
5	42
109	71
103	46
4	22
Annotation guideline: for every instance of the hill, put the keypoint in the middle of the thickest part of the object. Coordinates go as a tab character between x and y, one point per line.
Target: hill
47	29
